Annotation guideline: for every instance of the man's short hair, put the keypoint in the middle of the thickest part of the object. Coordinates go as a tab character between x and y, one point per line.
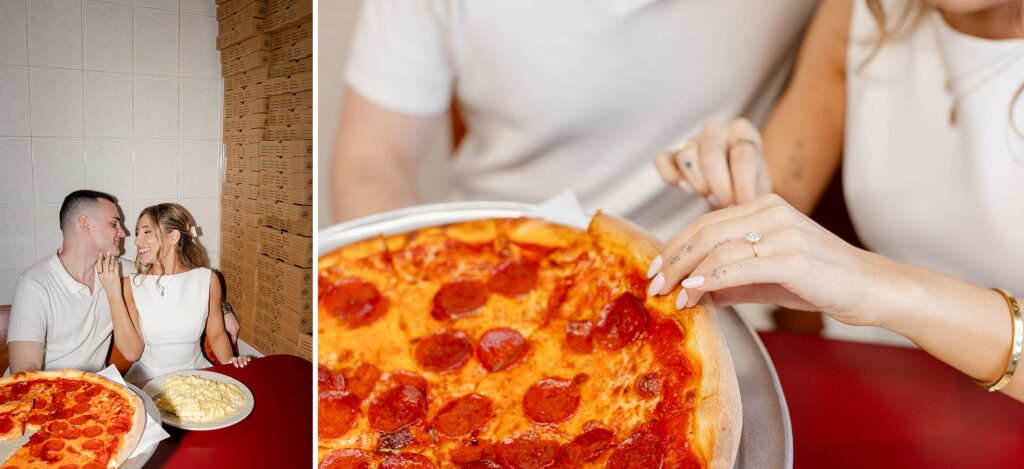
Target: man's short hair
77	201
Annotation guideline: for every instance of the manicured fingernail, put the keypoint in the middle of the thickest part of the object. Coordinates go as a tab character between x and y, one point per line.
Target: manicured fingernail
655	267
693	282
713	201
656	285
682	299
685	186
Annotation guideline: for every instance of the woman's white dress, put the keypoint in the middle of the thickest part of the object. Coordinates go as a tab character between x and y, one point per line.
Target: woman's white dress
947	197
172	323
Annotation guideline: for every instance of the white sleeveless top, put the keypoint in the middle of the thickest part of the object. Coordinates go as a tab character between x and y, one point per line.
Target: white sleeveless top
949	198
171	323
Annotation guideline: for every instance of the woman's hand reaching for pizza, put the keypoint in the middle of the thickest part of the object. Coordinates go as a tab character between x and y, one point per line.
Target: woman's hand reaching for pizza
768	252
724	163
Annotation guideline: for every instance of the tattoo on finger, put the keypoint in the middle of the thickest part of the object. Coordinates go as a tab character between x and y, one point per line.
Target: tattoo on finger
717	273
679	254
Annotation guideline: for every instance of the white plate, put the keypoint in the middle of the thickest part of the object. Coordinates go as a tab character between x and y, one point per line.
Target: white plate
156	386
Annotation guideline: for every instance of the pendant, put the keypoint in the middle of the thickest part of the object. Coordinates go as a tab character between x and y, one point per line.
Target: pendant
161	291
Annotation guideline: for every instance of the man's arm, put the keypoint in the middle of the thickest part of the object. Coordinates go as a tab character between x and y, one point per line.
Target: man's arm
26	333
375	157
25	356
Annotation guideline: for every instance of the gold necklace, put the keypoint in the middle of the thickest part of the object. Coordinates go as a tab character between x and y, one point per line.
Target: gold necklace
998	64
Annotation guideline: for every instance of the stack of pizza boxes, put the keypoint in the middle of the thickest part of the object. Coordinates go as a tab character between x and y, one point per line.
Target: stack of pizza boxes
284	266
266	198
245	53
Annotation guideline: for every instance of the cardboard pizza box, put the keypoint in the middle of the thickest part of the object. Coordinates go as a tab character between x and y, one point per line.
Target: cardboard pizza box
294	51
293	67
253	44
292	248
288	37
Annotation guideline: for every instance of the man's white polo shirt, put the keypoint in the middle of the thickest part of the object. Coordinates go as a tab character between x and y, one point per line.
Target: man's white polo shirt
52	308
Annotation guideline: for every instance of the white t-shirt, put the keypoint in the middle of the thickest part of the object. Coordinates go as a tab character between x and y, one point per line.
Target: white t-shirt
949	198
576	94
52	308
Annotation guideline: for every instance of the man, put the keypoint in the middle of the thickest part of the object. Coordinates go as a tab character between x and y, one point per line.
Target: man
60	315
570	95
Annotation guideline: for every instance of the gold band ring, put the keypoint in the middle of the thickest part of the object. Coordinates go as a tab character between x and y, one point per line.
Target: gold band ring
681	146
745	141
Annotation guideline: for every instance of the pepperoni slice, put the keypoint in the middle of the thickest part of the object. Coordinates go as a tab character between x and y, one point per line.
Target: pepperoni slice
93	444
53	445
57	426
458	299
587	446
346	458
443	351
337	412
406	461
37	419
92	432
463	415
355	301
70	434
551	400
39	403
399	377
6	424
82	397
79	419
641	450
622	321
578	336
397	408
500	348
117	429
81	407
327	379
514	278
526	453
362	380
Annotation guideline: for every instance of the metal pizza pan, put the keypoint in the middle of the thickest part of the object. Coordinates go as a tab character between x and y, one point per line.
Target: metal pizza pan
766	441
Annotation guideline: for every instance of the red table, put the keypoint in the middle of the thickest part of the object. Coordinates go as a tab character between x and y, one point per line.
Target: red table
278	432
860	405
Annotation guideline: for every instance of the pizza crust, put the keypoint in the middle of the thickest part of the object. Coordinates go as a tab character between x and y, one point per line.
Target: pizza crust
719	413
130	439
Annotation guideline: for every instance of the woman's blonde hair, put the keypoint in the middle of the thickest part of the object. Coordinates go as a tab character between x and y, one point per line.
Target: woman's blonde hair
188	250
910	17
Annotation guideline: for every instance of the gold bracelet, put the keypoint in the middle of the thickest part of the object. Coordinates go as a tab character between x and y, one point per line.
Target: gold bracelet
1015	347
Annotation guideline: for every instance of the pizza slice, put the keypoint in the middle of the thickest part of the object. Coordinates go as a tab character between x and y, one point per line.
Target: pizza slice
13	416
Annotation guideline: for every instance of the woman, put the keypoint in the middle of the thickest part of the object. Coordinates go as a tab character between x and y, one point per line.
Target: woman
168	301
923	106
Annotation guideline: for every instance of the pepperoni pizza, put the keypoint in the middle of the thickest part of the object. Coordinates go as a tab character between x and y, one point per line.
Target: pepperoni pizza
79	419
516	343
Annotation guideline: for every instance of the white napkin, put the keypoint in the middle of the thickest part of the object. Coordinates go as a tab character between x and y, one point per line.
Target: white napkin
153	433
563	209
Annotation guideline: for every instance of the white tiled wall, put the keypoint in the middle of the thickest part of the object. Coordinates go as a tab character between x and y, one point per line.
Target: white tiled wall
120	96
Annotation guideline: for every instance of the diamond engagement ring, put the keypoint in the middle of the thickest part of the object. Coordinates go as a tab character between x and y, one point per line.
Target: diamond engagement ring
753	237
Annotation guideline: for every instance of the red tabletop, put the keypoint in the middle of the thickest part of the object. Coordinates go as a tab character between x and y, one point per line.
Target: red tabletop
278	432
861	405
